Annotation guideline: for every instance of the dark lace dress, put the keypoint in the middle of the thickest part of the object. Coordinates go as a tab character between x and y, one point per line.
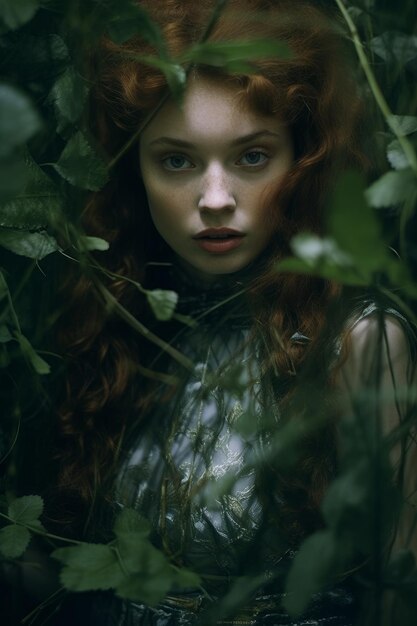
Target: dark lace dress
190	469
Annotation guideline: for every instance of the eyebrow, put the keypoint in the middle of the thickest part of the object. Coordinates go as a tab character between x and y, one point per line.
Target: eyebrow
174	141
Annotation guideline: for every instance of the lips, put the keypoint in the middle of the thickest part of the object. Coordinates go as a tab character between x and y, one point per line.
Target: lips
218	233
219	240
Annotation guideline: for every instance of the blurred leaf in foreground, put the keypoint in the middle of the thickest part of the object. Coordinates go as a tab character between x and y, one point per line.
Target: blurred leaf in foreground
392	188
15	13
18	119
235	56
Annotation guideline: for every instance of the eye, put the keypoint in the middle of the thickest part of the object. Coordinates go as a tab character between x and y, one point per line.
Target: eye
252	158
177	162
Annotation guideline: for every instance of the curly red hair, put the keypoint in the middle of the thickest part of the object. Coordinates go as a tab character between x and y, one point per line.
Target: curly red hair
309	91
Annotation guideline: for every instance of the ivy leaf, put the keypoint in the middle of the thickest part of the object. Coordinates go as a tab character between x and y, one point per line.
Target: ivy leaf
313	567
36	204
94	243
26	509
39	365
69	95
236	56
89	567
162	302
15	13
129	520
396	156
134	20
392	188
33	245
14	540
80	165
18	119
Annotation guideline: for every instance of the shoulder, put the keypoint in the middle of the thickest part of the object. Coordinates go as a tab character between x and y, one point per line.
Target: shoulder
378	350
379	333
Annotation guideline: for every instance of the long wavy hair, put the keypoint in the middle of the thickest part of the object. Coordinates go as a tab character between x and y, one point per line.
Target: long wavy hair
316	93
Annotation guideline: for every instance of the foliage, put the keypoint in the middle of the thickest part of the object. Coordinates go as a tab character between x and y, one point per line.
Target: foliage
48	161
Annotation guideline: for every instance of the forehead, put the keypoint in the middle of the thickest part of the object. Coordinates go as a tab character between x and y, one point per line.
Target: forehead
212	110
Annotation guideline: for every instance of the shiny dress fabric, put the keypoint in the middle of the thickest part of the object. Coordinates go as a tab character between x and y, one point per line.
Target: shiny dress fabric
175	464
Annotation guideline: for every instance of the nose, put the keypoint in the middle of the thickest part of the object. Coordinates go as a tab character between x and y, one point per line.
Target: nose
216	191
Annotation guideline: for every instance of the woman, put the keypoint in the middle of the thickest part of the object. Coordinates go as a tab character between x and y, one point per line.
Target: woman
205	205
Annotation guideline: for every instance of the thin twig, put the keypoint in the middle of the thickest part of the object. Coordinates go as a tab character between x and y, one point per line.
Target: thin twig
134	138
376	90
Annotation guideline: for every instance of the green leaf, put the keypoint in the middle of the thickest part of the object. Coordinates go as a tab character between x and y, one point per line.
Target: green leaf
354	225
26	510
139	556
129	520
80	165
88	567
392	188
14	540
406	124
313	250
324	269
18	119
94	243
150	590
162	302
133	20
32	245
37	203
15	13
398	47
313	567
186	579
236	55
69	95
150	573
396	156
174	73
5	334
39	365
14	176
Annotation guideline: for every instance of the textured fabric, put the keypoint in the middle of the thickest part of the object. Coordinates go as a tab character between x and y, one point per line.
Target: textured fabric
190	469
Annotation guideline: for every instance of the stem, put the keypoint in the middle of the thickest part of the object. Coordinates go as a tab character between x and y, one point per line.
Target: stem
128	145
376	91
4	286
43	604
113	304
42	533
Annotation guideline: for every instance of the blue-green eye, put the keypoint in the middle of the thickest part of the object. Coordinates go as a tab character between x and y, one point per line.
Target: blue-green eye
177	162
253	158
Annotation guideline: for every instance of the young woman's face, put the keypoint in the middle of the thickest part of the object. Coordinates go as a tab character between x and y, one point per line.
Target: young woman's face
207	168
